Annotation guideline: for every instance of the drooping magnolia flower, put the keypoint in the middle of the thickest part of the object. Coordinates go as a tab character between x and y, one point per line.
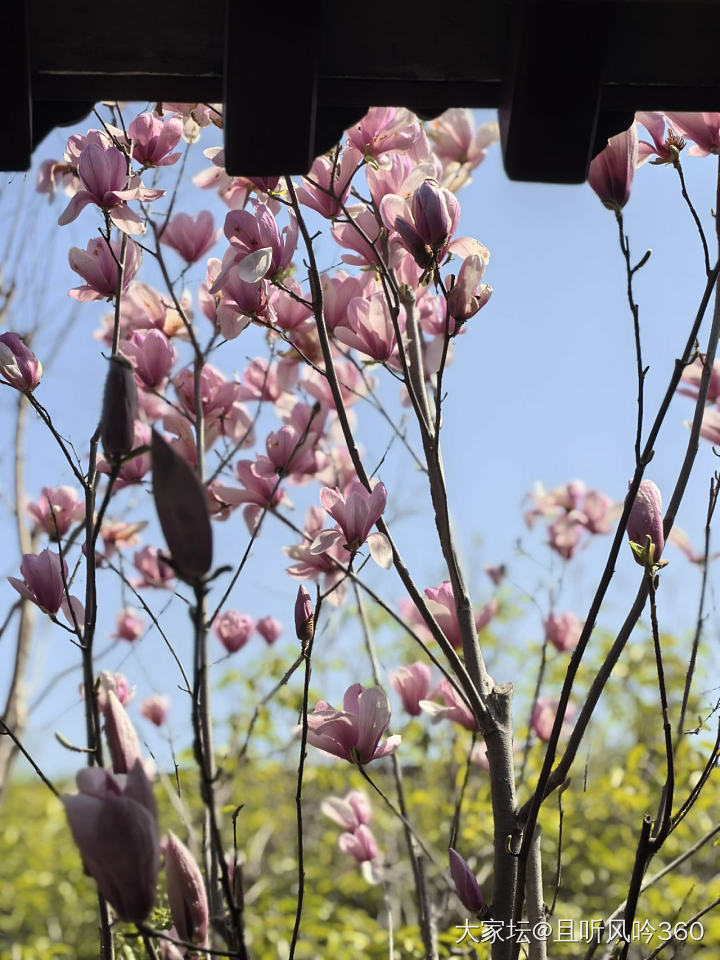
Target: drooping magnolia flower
186	892
412	683
269	629
56	510
563	630
233	629
351	812
356	512
191	237
18	364
645	520
354	732
611	172
152	356
455	709
114	824
360	844
97	264
466	885
155	708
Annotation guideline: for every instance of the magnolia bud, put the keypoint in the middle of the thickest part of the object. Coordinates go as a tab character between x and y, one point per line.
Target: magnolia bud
645	520
122	740
182	509
18	364
304	617
186	892
117	424
466	886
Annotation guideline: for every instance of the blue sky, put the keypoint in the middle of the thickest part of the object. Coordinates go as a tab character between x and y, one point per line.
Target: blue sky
542	388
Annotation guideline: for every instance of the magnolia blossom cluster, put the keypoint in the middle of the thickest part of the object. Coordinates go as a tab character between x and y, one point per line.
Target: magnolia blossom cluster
573	512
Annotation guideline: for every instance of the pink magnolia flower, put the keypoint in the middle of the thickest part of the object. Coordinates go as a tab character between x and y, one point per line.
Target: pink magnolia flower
565	536
459	145
543	717
128	625
43	580
233	630
360	844
368	327
425	223
116	683
702	128
664	148
455	709
363	245
412	683
468	294
354	732
384	129
113	820
104	176
56	510
52	173
322	195
98	266
356	512
122	740
441	603
18	364
269	629
116	534
260	381
311	566
186	892
153	139
710	426
690	381
645	519
351	812
249	233
563	630
155	572
338	291
611	172
155	708
152	356
191	237
466	885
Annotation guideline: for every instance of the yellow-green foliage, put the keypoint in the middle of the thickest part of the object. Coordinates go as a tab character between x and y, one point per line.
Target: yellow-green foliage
47	907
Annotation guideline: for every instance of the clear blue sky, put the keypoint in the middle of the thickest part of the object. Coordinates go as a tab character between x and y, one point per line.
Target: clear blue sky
542	387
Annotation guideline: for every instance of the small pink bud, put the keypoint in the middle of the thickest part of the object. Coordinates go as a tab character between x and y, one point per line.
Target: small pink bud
304	617
269	629
186	892
412	683
563	630
129	625
233	630
155	708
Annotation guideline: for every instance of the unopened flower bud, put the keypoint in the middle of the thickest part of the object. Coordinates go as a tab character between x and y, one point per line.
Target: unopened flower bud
122	740
117	425
304	617
466	886
645	521
186	892
182	509
18	364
